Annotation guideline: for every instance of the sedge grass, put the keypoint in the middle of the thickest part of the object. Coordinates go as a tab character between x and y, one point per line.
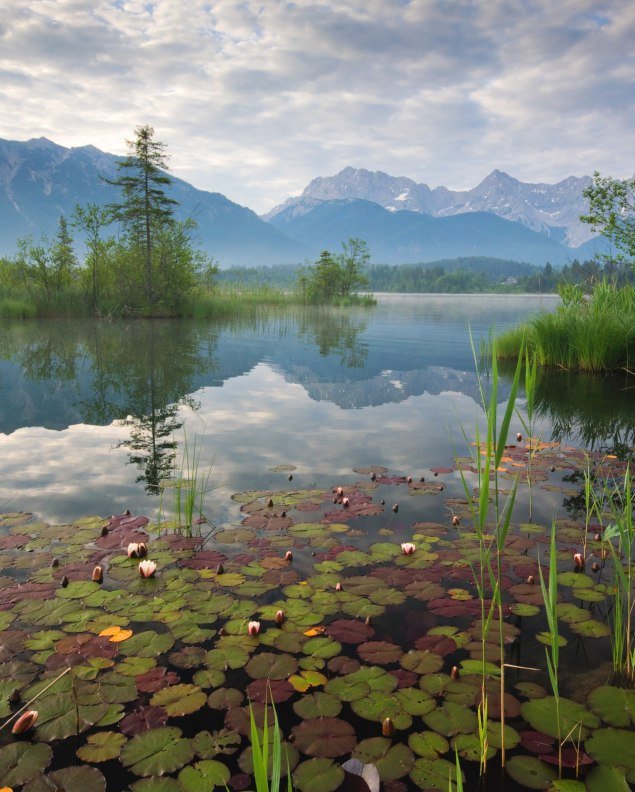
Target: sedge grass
594	334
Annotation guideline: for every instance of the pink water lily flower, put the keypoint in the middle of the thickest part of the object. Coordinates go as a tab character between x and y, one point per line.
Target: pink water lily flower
253	628
408	548
133	550
147	569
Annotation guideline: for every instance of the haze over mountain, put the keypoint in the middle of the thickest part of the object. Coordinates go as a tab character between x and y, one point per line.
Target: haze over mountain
40	180
402	222
551	209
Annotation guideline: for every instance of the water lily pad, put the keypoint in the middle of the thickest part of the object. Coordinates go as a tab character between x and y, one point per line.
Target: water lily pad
317	705
421	661
157	751
267	665
603	778
102	746
530	772
428	744
318	775
143	719
324	737
434	774
392	761
322	647
350	631
614	747
210	744
205	775
541	715
69	779
228	656
178	700
450	719
20	761
289	752
59	718
225	698
379	652
616	706
147	644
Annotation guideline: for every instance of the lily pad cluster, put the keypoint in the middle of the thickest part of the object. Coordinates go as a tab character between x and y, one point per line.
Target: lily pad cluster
366	651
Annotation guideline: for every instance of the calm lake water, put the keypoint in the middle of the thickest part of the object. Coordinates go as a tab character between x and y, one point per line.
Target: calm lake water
88	410
277	412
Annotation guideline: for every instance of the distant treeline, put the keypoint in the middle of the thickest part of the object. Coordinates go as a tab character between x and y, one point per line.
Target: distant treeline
473	274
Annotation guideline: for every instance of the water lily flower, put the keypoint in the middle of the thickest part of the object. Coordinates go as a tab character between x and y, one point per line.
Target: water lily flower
338	587
409	479
454	673
346	503
142	550
519	437
98	574
147	569
25	722
339	491
253	628
456	520
578	560
395	508
288	556
279	617
133	550
408	548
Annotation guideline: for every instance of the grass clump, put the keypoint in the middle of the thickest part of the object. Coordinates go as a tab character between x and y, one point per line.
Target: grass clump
593	332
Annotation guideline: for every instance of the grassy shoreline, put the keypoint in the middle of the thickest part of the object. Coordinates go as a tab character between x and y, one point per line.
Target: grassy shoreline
201	303
593	332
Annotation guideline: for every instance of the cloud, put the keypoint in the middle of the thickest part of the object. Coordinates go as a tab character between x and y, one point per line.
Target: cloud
253	99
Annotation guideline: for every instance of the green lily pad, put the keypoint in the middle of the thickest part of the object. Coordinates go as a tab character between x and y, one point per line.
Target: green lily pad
322	647
468	747
317	705
575	718
616	706
267	665
20	761
225	698
59	718
318	775
135	666
434	774
178	700
210	744
289	753
428	744
156	784
614	747
530	772
102	746
147	644
229	656
392	761
450	719
376	706
205	775
421	662
78	778
602	778
157	751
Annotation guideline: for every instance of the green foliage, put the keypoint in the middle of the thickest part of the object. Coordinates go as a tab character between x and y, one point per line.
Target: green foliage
595	333
335	279
612	212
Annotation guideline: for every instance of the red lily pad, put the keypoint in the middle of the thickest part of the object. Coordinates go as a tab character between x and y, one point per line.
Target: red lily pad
264	690
351	631
143	719
156	679
324	737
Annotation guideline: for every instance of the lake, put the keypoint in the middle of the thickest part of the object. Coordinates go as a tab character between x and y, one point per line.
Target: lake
270	415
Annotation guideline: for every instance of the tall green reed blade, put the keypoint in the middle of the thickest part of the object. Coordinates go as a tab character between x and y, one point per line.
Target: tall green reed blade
552	652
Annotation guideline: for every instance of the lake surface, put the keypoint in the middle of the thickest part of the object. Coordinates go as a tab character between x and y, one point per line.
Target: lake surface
274	414
82	403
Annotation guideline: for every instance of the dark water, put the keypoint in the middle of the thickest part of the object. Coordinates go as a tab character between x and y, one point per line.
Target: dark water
90	411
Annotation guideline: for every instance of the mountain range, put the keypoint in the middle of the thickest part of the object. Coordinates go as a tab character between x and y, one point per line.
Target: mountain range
401	221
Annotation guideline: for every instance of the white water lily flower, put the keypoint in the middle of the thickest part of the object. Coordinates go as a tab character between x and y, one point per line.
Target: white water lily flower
408	548
147	569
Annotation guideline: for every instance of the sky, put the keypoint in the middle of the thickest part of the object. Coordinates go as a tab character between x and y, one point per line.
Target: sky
254	98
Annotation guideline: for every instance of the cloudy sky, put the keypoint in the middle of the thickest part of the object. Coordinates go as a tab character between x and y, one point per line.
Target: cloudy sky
254	98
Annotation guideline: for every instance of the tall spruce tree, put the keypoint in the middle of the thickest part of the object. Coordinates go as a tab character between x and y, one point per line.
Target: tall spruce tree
145	209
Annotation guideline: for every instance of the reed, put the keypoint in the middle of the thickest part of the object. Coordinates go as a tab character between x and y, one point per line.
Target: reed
587	334
260	752
552	651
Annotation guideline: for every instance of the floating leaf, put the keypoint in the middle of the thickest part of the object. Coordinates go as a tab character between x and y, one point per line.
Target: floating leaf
616	706
209	744
20	761
78	778
157	751
205	775
428	744
530	772
434	774
324	737
391	761
318	775
102	746
614	747
178	700
541	715
147	644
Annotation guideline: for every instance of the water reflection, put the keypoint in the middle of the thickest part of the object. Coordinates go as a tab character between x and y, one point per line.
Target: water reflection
324	390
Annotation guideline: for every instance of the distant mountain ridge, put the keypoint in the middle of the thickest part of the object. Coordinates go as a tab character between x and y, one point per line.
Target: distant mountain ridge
39	180
401	221
551	209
